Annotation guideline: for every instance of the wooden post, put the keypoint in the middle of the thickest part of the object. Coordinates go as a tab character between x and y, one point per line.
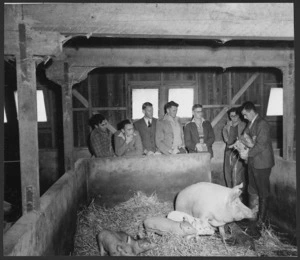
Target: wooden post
28	130
288	110
67	120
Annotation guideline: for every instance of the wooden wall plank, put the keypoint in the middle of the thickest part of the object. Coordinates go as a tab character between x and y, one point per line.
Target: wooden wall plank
289	115
28	129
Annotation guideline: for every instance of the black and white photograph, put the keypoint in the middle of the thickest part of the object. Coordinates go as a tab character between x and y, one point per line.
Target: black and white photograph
149	129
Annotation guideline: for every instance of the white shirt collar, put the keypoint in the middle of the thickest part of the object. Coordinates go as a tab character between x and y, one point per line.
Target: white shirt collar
147	120
202	120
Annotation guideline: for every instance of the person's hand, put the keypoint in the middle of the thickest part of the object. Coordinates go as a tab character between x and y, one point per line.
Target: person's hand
175	151
198	147
247	140
150	153
128	138
229	123
244	154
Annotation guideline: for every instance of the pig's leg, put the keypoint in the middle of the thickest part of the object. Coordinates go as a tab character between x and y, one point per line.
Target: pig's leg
102	251
223	236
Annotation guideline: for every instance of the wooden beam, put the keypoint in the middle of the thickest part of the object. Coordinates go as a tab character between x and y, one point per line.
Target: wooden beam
67	120
28	130
80	98
168	56
224	21
289	117
234	99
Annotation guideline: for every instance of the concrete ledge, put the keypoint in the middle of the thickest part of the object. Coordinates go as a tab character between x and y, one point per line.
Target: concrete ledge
50	231
116	179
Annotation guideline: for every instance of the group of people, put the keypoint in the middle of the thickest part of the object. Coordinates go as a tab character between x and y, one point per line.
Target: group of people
150	136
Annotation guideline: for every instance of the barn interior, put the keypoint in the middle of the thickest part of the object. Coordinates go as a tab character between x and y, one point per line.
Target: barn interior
103	58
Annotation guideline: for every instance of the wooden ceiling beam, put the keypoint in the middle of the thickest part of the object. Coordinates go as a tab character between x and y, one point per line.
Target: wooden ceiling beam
180	20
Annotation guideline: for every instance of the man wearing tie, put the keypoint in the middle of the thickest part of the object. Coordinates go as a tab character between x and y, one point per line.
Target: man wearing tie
146	126
260	157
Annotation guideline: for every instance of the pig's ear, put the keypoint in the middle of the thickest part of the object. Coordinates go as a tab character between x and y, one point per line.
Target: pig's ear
238	186
236	192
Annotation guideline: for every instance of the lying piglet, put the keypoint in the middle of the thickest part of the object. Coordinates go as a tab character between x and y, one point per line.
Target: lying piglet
160	225
202	226
112	242
139	245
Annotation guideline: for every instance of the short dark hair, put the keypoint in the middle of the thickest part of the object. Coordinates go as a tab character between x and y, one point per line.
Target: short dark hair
125	122
146	104
235	110
248	105
171	104
196	106
95	120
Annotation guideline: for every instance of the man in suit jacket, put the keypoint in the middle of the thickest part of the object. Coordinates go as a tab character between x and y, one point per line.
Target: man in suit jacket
169	134
198	133
146	126
260	162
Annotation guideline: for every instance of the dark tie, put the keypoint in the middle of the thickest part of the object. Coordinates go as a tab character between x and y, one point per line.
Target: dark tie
149	123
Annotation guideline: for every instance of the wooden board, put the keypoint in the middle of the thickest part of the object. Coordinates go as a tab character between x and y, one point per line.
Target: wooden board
27	116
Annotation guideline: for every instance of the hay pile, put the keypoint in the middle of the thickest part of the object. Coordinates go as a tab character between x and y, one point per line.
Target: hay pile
129	216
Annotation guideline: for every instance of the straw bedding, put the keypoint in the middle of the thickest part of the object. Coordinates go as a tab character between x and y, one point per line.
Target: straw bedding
129	216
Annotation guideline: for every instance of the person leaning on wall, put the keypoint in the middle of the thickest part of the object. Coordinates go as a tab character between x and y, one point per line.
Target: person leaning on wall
198	133
169	134
234	166
127	140
146	127
100	139
260	156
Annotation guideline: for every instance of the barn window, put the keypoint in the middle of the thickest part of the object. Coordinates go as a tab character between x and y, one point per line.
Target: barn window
140	96
5	119
41	109
185	98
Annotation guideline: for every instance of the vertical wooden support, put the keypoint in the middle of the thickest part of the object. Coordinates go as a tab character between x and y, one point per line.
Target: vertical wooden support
89	79
28	130
229	93
288	109
67	120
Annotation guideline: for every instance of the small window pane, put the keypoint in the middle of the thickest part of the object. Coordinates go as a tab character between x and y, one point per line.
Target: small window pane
140	96
185	98
5	119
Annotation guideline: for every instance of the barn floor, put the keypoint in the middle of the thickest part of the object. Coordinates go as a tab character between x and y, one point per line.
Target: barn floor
128	216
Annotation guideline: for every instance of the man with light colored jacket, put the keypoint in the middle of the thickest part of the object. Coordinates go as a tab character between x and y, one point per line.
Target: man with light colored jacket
169	134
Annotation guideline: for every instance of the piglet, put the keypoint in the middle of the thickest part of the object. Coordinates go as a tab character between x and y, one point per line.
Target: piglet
160	225
112	242
202	226
138	245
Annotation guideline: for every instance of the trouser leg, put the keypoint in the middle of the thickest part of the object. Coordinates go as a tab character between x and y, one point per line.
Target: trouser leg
252	229
262	177
227	169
